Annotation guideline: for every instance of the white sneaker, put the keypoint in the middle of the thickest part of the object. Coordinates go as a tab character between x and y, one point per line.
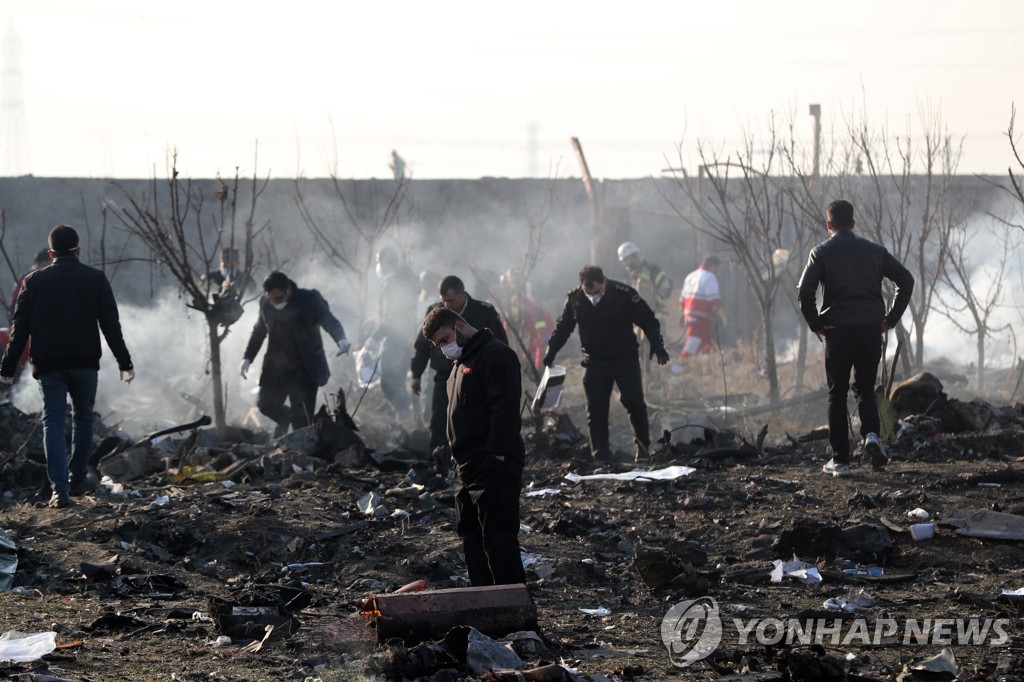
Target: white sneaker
873	446
833	468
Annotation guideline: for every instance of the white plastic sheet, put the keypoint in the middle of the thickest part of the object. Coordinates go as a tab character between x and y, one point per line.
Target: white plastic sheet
667	474
798	570
21	647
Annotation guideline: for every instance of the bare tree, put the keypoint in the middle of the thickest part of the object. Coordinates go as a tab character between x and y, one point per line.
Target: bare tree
185	237
747	210
973	290
350	223
536	228
909	205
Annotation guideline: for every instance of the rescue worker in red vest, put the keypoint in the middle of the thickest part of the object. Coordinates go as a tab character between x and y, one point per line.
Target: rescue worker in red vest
701	305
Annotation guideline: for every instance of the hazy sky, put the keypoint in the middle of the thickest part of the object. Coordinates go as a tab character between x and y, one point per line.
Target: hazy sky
107	87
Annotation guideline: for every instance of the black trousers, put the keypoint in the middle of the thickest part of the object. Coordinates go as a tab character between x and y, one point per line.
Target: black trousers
298	389
859	349
487	519
598	380
439	412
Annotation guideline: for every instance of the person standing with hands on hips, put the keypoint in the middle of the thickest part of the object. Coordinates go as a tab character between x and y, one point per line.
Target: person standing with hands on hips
851	323
63	307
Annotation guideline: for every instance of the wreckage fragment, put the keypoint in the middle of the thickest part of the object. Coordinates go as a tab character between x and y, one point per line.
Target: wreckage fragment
417	616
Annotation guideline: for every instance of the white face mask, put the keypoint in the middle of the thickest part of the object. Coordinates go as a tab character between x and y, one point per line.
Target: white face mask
595	298
280	306
452	351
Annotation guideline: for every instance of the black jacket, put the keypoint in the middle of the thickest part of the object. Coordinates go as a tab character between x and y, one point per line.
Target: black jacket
479	314
485	391
850	270
63	307
295	343
606	330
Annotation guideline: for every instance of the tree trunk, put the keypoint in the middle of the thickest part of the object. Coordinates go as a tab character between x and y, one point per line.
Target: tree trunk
981	361
919	348
219	419
770	361
801	355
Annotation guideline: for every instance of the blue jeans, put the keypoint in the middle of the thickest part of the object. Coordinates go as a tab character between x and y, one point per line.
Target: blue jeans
55	386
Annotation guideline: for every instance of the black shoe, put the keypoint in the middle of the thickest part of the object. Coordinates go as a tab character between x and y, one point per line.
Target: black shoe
59	500
85	485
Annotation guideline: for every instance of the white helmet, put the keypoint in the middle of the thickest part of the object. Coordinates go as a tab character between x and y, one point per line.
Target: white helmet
627	249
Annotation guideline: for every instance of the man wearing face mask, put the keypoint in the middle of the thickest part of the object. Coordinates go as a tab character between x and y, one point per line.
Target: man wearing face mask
484	433
606	312
397	318
479	314
295	364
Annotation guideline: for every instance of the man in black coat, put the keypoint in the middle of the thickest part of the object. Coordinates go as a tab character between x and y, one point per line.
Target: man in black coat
606	312
295	364
62	308
484	394
852	320
478	314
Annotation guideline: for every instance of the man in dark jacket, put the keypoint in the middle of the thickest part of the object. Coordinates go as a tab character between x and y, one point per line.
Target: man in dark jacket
62	308
484	394
478	314
852	321
295	364
397	318
606	312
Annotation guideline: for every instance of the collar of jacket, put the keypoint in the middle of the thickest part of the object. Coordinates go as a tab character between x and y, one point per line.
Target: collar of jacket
475	343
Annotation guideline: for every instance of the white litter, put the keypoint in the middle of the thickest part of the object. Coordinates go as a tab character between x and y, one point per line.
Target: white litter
666	474
600	611
545	491
21	647
798	570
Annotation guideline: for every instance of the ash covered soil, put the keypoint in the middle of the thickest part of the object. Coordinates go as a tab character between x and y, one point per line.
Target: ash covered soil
288	532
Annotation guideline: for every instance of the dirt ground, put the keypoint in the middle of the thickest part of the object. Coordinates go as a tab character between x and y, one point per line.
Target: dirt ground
290	524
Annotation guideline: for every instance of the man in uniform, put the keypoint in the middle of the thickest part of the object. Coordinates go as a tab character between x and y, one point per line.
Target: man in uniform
484	432
478	314
702	309
606	312
295	364
852	320
396	324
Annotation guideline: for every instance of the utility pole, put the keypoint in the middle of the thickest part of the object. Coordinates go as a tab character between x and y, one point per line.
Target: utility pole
596	214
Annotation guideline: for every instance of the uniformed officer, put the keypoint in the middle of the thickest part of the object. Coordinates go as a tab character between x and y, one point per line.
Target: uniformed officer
606	311
478	314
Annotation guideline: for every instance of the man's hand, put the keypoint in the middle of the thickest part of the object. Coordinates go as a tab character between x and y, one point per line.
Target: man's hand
7	380
127	375
549	359
343	346
661	354
885	326
821	336
500	458
244	370
417	385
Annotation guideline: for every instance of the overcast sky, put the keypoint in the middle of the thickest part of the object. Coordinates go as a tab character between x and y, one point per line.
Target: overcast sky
107	87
